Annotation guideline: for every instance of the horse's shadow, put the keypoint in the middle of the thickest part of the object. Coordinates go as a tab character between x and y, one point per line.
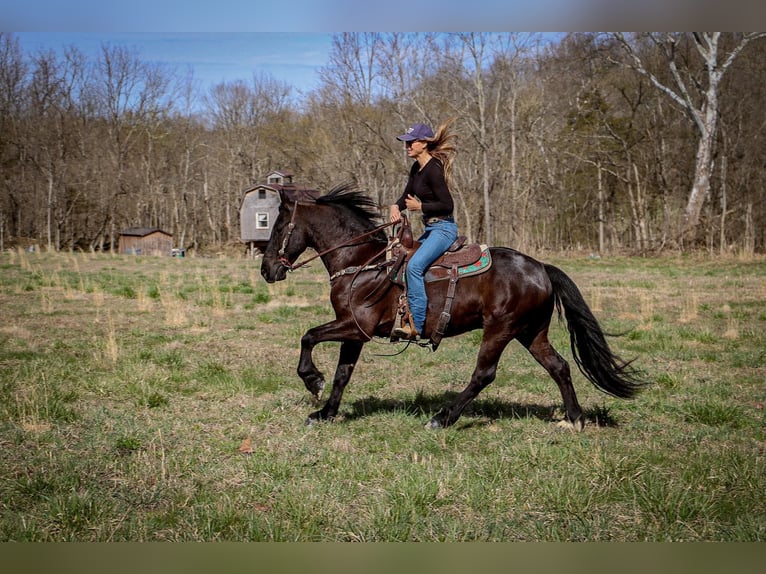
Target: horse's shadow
478	413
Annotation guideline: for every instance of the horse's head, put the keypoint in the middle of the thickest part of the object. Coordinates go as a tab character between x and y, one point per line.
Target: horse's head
288	240
324	224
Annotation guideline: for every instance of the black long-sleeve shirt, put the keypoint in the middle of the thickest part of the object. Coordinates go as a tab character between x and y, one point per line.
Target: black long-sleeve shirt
430	187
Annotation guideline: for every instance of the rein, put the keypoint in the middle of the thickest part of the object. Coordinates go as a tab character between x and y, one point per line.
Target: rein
354	270
291	226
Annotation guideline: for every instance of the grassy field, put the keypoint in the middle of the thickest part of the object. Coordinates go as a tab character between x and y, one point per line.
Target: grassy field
148	399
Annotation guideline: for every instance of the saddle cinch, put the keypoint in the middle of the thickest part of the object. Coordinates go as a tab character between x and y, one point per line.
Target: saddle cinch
460	260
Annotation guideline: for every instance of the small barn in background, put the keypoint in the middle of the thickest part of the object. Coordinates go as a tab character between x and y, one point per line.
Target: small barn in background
146	241
260	205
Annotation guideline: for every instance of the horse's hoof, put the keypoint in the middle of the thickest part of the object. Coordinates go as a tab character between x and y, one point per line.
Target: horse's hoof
432	424
576	426
318	417
315	385
314	418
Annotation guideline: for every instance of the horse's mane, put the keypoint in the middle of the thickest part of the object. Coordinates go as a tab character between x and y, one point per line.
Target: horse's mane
349	196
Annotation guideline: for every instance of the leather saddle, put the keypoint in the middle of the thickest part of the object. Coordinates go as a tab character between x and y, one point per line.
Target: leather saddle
460	260
466	258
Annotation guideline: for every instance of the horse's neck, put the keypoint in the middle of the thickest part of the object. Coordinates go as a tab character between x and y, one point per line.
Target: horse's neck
358	253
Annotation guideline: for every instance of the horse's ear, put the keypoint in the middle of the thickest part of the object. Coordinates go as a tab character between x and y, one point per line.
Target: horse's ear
283	197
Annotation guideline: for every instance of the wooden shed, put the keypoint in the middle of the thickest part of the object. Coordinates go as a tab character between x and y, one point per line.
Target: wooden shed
146	241
260	204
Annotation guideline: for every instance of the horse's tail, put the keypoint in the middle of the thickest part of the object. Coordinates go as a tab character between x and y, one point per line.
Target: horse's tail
594	358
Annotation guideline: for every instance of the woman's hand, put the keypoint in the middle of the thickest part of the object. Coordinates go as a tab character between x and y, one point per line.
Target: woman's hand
394	215
413	203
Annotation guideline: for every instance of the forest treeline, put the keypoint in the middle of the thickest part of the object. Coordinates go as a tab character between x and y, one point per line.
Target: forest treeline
598	141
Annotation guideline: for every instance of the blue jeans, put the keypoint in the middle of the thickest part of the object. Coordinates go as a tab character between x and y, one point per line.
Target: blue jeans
435	241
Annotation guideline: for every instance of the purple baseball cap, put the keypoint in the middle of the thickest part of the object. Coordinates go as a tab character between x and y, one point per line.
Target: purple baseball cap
416	132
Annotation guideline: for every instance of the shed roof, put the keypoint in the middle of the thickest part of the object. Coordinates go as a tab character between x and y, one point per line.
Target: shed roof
291	190
142	231
287	174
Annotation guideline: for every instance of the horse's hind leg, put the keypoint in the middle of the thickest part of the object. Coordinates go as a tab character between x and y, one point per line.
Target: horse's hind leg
542	350
491	349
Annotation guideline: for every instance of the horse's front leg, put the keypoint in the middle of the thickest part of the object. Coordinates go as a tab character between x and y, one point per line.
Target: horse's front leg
312	377
349	354
307	370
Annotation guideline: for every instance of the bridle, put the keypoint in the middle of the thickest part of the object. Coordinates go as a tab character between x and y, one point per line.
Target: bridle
283	260
291	226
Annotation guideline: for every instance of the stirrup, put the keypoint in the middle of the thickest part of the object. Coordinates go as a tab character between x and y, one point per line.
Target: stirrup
406	329
404	332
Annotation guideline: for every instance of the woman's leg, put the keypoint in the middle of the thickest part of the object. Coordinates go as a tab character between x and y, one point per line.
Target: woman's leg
434	242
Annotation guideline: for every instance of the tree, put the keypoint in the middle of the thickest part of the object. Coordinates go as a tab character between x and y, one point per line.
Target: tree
250	125
363	75
131	98
476	45
559	147
54	143
698	97
13	72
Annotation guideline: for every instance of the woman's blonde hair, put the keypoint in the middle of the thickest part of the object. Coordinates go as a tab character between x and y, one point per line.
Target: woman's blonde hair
443	146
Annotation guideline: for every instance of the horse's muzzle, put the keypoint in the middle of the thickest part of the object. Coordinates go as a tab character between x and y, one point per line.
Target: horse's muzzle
273	272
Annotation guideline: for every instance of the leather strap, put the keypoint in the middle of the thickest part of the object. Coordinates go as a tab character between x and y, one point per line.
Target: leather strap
445	316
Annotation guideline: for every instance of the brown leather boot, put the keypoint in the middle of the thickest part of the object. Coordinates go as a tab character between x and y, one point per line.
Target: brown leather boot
405	332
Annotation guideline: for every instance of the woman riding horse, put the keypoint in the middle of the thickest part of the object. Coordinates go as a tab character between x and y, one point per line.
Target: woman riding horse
514	299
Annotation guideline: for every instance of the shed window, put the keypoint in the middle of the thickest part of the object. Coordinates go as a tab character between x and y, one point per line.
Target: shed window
261	194
261	220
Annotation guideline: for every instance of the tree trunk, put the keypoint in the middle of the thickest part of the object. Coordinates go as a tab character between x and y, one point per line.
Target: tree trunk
722	238
50	210
600	209
749	239
703	168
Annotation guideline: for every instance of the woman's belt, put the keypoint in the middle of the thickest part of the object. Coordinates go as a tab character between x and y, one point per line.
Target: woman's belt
431	220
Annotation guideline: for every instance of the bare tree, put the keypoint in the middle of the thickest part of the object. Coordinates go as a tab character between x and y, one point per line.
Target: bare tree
559	148
251	123
13	72
352	70
131	98
703	110
54	138
359	131
476	46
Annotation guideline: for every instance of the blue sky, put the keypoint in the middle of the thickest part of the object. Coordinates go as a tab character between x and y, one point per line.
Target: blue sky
214	57
276	15
293	15
387	15
224	40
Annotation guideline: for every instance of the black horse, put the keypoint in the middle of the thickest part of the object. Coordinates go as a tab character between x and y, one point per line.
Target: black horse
514	299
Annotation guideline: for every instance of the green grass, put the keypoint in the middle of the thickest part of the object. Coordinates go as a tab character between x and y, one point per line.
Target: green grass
128	386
